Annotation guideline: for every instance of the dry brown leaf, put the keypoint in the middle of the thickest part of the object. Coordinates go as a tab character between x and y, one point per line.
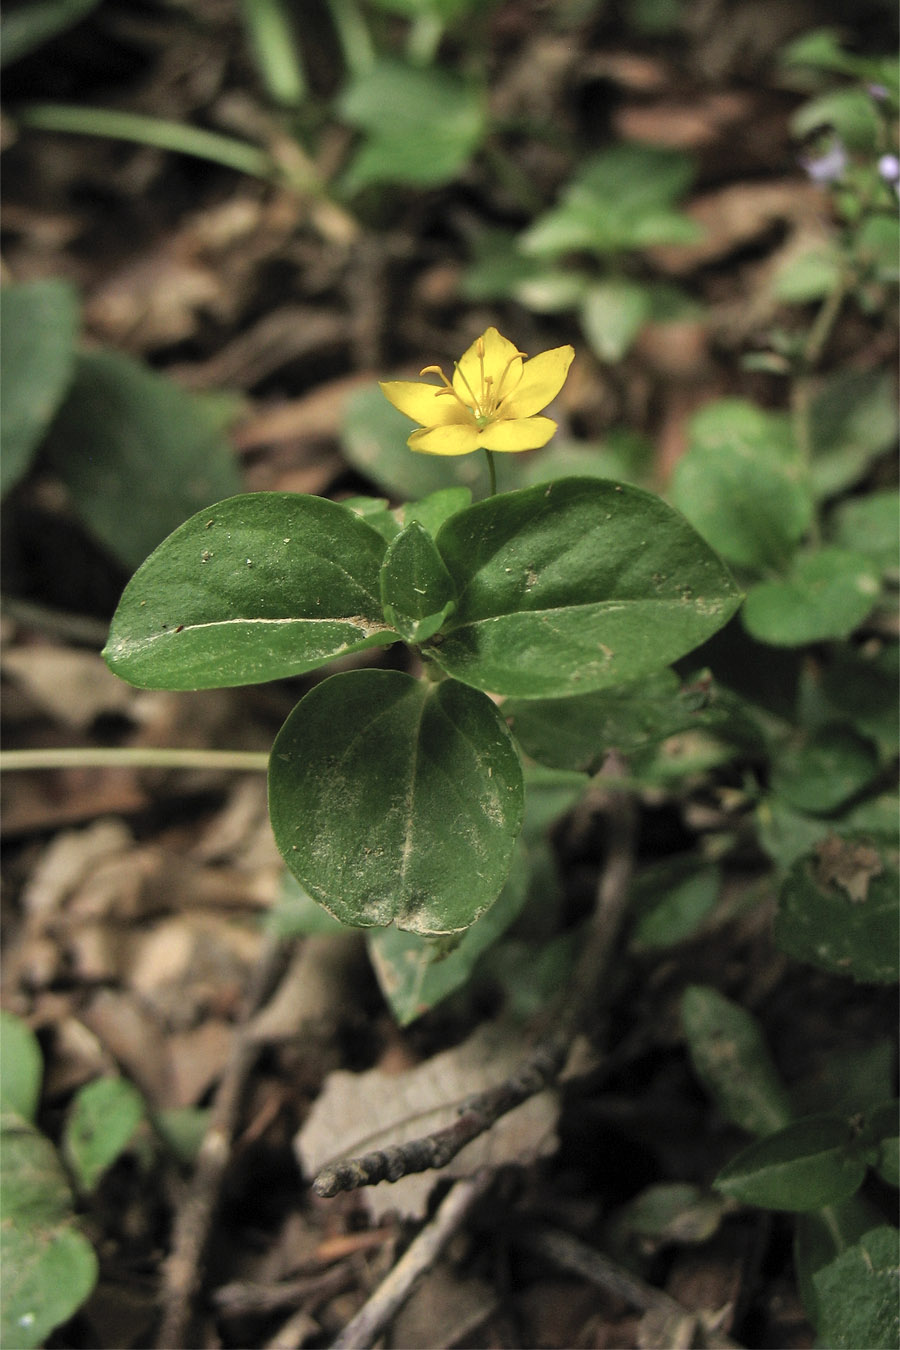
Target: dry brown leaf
735	216
74	687
357	1113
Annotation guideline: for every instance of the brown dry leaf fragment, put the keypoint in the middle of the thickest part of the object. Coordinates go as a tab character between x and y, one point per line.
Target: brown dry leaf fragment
358	1113
67	861
74	687
685	126
136	1040
847	863
316	992
197	1060
736	216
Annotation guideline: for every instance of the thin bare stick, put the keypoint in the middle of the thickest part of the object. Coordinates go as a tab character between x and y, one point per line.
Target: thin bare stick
482	1110
182	1272
133	757
568	1253
363	1329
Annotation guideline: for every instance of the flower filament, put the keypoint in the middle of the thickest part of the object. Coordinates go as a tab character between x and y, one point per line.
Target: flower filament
484	408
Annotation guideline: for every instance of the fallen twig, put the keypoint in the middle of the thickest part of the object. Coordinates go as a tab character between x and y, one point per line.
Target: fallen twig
568	1253
544	1064
182	1271
363	1329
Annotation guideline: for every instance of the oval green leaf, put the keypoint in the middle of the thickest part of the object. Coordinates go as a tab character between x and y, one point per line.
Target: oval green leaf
137	453
49	1268
23	1066
397	801
827	596
804	1166
38	328
826	769
103	1119
742	485
576	585
416	589
732	1060
255	588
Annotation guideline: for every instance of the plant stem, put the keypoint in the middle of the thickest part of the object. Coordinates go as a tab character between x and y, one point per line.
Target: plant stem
492	470
134	757
155	131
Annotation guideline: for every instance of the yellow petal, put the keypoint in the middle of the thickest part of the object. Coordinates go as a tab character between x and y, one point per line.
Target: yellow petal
500	355
543	377
525	433
426	404
446	440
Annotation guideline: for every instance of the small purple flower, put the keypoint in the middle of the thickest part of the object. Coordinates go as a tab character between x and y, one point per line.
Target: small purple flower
878	92
889	168
828	167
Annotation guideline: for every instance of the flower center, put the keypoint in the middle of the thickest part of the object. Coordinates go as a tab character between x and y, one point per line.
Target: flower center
483	407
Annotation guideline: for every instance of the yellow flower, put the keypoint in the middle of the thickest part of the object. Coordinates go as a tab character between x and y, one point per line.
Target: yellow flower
491	402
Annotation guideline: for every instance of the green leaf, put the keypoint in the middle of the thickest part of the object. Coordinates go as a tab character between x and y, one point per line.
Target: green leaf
183	1129
413	973
49	1268
732	1060
860	685
612	314
26	27
852	421
869	525
822	1235
496	268
670	1212
397	801
104	1116
421	126
808	276
433	510
878	247
23	1066
804	1166
742	485
619	200
838	910
858	1295
852	113
137	453
38	328
255	588
574	586
822	771
577	732
821	49
672	899
849	1081
827	595
417	591
786	834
